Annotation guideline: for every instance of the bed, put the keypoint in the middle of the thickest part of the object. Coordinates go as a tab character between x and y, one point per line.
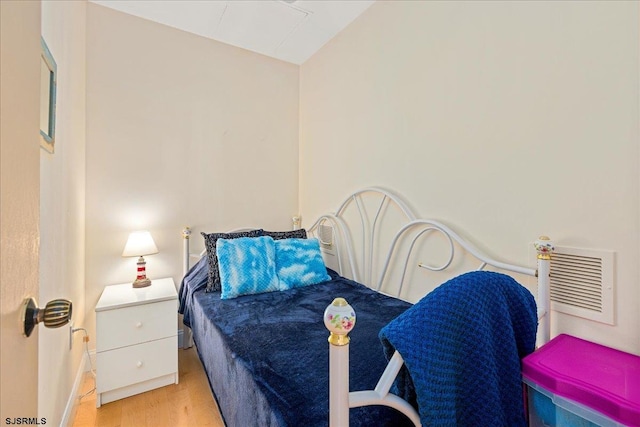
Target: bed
266	354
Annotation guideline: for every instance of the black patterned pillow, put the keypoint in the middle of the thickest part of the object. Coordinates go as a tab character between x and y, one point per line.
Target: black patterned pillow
210	240
293	234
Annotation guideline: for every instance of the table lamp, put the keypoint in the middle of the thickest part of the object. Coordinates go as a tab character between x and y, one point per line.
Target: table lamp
140	243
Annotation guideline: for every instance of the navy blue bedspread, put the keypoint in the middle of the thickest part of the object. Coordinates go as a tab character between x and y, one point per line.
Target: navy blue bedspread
462	346
193	281
267	355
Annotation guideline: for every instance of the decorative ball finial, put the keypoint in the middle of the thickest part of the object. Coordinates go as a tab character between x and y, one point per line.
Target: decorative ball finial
544	247
339	319
186	233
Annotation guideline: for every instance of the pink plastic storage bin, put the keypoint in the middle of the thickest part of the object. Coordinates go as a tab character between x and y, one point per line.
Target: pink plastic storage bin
573	382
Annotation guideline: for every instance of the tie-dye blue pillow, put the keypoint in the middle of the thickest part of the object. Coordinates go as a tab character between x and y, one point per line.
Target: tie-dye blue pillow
247	266
299	263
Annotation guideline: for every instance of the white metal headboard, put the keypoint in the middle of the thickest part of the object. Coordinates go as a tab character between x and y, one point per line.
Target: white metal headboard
361	265
361	270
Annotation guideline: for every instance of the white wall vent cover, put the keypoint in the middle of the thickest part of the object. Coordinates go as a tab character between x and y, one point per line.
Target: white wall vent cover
325	235
582	283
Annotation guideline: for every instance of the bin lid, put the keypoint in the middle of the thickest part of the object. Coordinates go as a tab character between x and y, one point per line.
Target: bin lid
599	377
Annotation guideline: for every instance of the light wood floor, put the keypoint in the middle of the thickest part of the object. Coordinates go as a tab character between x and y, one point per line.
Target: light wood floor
188	403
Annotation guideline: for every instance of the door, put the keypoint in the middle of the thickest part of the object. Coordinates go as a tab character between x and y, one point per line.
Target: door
19	203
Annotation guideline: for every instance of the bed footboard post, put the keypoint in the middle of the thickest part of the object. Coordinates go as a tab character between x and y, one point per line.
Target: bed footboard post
186	233
187	337
544	247
339	319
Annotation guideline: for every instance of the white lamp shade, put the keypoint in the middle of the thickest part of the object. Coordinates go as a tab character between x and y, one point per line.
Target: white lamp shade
140	243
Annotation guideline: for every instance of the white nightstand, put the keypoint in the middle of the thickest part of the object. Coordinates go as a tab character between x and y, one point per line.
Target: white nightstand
136	339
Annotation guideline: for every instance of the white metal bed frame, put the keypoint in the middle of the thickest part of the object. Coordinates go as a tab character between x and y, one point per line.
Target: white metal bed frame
362	269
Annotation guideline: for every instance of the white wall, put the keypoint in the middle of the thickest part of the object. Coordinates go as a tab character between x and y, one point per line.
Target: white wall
62	207
181	130
507	119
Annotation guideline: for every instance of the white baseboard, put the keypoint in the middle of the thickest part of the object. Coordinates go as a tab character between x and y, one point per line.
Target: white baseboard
72	402
87	365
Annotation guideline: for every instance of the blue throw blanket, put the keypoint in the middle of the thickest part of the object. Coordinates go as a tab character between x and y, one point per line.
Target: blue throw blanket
462	345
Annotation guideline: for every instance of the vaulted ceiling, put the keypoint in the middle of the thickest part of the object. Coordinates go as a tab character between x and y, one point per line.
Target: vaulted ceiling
290	30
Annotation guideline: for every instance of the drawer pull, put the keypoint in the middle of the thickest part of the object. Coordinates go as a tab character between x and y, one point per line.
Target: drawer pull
139	364
139	325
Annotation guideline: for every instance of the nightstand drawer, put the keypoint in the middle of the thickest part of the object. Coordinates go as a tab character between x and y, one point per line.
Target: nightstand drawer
136	324
130	365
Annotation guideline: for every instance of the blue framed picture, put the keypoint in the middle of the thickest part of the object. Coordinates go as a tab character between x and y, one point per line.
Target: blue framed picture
48	86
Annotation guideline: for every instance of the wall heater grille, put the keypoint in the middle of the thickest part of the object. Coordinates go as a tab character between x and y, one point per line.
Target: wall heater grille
582	283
